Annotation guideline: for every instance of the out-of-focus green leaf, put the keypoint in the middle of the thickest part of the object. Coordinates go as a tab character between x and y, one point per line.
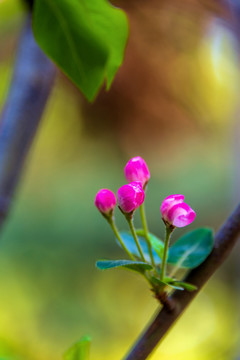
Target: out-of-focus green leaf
131	245
176	286
158	282
85	38
80	350
165	283
191	249
186	286
138	266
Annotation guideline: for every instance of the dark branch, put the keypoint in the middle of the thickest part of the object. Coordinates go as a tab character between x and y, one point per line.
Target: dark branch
225	239
31	84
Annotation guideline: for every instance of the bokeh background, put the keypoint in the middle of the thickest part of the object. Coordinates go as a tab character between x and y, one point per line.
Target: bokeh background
175	102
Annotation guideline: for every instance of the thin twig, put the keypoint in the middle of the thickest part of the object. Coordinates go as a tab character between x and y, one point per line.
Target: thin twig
225	239
31	84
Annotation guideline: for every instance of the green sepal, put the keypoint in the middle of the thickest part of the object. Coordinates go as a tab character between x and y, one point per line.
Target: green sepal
80	350
138	266
191	249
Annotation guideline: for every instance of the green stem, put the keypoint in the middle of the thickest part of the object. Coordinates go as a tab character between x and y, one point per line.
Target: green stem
130	222
145	229
169	231
118	236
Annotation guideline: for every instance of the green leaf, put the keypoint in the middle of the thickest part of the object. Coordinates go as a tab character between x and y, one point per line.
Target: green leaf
80	350
158	282
138	266
173	283
168	279
191	249
164	283
85	38
157	244
176	287
186	286
131	245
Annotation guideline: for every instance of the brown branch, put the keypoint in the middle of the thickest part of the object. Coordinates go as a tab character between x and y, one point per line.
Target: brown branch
225	239
31	84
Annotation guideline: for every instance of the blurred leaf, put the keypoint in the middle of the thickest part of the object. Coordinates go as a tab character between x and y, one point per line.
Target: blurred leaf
85	38
186	286
176	287
80	350
157	281
191	249
138	266
157	244
132	247
168	279
162	284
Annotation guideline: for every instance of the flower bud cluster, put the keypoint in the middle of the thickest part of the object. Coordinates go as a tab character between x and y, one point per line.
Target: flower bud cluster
175	212
129	196
142	247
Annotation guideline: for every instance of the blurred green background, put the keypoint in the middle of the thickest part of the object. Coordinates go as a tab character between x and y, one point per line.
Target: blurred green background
175	103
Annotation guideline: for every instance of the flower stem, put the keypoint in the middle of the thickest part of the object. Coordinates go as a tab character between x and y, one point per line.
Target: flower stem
118	236
130	222
169	230
145	229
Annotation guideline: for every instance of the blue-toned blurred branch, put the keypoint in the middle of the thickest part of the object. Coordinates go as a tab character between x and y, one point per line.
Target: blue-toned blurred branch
31	85
225	239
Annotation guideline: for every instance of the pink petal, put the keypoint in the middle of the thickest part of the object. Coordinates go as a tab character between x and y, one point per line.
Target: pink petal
181	215
105	201
130	196
136	170
170	201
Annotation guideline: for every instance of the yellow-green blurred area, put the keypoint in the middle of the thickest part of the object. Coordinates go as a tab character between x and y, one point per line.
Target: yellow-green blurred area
175	102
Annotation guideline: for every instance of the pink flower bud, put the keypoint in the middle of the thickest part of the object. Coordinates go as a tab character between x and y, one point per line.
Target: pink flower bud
130	196
137	170
176	212
105	201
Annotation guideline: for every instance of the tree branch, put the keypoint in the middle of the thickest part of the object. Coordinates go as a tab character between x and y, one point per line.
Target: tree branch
31	84
225	239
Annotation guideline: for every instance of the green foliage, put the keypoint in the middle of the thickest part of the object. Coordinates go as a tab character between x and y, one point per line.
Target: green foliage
191	249
157	282
188	252
85	38
172	283
138	266
80	350
162	284
156	243
186	286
